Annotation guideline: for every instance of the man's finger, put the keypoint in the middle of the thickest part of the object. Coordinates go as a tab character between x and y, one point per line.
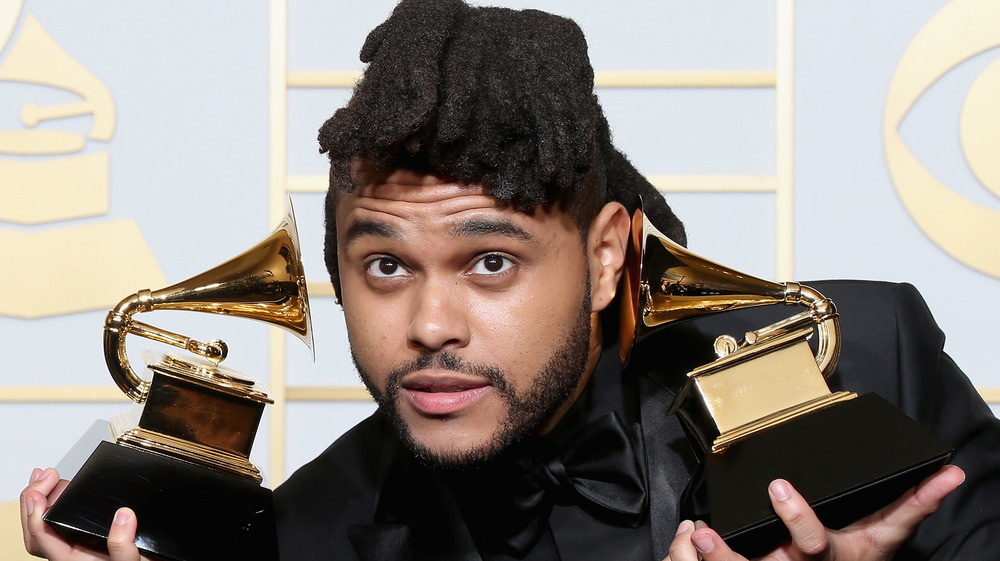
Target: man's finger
33	506
121	536
681	548
30	502
710	546
808	534
899	519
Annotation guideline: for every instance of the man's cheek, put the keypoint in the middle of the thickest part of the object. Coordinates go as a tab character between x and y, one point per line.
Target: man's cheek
365	331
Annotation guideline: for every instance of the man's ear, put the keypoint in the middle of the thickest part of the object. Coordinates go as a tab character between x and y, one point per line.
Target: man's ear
607	239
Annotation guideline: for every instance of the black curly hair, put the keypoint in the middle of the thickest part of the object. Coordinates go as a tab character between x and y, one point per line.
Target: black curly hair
488	96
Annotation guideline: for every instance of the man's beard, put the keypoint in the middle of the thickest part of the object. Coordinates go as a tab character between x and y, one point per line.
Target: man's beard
552	386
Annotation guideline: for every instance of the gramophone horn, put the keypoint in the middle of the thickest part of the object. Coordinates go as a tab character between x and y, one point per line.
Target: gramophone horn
665	283
264	283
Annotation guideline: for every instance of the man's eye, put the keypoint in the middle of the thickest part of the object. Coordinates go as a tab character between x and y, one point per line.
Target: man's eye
491	264
386	267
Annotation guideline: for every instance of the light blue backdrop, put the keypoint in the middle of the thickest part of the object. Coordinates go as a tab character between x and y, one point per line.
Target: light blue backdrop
189	162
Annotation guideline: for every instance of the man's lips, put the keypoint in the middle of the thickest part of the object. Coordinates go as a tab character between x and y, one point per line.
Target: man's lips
444	394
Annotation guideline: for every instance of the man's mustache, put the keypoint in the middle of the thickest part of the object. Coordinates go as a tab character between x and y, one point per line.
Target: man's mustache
449	361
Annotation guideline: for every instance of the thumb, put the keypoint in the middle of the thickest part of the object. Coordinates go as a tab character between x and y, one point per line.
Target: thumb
121	536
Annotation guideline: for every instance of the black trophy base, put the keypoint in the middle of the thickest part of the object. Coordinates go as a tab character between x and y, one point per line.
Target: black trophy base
848	460
185	512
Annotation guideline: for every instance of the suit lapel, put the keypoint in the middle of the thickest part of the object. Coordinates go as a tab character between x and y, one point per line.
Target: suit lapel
416	519
381	542
661	369
670	463
401	542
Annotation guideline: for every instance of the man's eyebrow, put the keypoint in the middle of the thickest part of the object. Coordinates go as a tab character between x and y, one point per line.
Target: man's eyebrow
489	226
376	228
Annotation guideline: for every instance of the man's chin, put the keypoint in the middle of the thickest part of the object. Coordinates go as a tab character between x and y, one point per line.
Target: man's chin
454	454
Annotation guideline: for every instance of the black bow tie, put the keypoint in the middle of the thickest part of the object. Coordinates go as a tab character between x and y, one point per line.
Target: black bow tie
602	469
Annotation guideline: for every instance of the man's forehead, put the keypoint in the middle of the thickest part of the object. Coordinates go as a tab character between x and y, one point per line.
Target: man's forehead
428	192
366	174
384	202
414	195
409	193
405	184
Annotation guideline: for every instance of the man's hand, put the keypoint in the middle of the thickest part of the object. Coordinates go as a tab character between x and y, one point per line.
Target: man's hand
875	537
42	541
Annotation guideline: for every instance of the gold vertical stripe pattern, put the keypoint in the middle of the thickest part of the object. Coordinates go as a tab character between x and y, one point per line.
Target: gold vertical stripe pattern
785	141
278	71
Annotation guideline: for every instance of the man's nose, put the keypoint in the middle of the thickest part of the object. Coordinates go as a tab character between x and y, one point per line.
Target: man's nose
438	317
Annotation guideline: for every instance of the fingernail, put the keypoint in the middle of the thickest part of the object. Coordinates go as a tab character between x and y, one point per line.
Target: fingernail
685	526
29	505
122	517
779	489
703	542
699	524
36	474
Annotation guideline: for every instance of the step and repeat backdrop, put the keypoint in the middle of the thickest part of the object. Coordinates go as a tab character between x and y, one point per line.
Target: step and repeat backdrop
144	142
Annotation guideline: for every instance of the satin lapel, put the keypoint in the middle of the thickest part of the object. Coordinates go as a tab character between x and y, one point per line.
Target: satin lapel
416	520
400	542
381	542
669	459
661	364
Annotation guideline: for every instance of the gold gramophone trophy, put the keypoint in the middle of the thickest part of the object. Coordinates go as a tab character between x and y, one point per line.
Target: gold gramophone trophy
762	410
180	460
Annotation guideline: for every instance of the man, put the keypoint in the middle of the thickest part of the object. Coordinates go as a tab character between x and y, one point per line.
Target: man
476	229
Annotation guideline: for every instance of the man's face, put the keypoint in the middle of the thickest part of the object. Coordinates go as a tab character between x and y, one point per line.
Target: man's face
468	321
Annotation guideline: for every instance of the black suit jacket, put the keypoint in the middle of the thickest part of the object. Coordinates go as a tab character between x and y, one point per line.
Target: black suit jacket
364	498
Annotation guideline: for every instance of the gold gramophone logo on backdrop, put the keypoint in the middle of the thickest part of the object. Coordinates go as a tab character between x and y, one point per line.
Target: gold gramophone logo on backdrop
966	230
48	176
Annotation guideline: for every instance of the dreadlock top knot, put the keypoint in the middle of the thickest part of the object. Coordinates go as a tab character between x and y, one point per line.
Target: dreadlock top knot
402	76
488	95
429	20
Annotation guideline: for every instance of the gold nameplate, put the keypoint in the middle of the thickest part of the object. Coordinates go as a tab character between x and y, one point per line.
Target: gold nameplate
762	385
